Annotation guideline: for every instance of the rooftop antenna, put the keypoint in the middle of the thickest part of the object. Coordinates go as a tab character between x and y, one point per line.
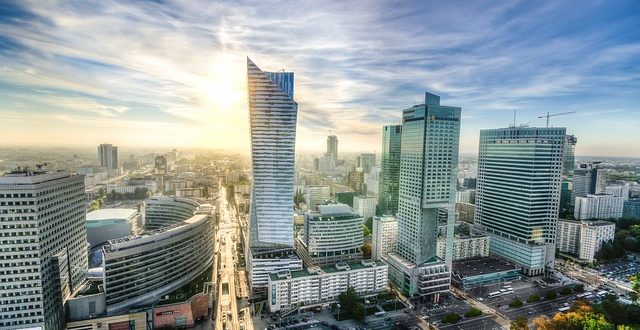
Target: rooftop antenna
555	114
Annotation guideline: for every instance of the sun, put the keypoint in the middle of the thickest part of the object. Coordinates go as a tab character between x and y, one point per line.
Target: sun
224	86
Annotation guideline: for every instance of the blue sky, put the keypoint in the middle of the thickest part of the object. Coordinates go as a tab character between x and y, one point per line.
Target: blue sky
165	73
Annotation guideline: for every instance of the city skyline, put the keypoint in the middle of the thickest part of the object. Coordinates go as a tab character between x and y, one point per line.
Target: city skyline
174	73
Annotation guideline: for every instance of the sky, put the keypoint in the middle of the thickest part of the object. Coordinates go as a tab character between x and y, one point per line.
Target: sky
173	73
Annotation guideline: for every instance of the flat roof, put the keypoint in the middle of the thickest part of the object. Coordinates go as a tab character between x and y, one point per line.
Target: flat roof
331	269
481	266
111	214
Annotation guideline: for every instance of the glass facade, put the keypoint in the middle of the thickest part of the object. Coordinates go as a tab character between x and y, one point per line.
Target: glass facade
390	170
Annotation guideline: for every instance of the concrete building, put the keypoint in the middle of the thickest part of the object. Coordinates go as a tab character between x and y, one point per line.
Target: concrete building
428	180
518	194
108	158
315	286
365	206
316	195
272	122
43	246
465	247
588	179
389	170
384	236
598	207
108	224
137	321
475	273
345	197
465	212
584	238
620	190
165	211
466	196
372	181
631	208
332	234
592	235
355	181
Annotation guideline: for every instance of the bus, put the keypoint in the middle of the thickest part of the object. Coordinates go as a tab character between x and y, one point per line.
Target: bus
495	294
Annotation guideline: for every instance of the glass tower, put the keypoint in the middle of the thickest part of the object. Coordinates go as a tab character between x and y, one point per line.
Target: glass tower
518	193
272	121
390	170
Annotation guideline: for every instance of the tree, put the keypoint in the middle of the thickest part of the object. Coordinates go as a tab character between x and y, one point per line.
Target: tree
565	291
359	312
578	288
451	318
351	305
634	230
550	295
533	298
473	312
366	231
520	323
515	303
366	251
635	286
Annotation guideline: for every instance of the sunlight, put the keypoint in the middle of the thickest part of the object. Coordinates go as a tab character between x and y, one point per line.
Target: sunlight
223	88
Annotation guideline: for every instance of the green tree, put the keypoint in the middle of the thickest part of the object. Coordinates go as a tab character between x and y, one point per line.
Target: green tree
451	318
520	323
515	303
565	291
635	286
473	312
366	232
366	250
359	312
550	295
634	230
533	298
578	288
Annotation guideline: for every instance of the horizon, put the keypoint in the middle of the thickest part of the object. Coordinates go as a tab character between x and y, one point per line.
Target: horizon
80	74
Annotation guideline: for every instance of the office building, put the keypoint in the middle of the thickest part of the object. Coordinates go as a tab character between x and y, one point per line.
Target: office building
295	289
598	207
165	211
466	196
389	170
372	181
428	180
365	206
568	166
588	179
316	195
518	194
332	234
475	273
272	121
355	181
631	208
108	157
332	148
465	212
384	236
43	246
618	190
465	247
345	197
366	162
108	224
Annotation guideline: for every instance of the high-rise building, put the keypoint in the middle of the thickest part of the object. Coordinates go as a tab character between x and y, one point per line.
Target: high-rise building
272	121
588	179
466	247
598	206
108	156
366	162
568	236
428	180
384	236
332	148
568	166
584	238
316	195
43	246
365	206
355	181
518	193
390	170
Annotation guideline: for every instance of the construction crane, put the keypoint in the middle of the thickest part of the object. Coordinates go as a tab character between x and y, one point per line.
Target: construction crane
555	114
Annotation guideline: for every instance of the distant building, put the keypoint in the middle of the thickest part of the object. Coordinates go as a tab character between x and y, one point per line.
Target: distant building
384	236
106	224
465	212
355	181
466	247
165	211
365	206
584	238
332	148
108	157
197	192
588	179
389	170
345	197
372	181
160	165
366	162
598	207
631	208
618	190
332	234
568	167
466	196
43	246
316	195
517	210
295	289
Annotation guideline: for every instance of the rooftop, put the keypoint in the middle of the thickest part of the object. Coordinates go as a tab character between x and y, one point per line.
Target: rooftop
481	266
111	214
314	271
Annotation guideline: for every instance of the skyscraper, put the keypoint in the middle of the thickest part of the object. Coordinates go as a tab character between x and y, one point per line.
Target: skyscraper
108	156
332	148
272	121
43	246
588	179
568	165
427	183
366	162
390	170
518	193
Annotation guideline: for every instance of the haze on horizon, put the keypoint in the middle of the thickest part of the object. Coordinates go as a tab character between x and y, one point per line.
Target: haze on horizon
173	73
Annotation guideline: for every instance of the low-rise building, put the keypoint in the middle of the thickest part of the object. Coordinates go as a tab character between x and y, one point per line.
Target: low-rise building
465	247
108	224
136	321
474	273
293	289
265	261
384	236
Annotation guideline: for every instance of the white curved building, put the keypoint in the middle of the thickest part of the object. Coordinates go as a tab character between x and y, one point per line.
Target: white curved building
138	270
163	211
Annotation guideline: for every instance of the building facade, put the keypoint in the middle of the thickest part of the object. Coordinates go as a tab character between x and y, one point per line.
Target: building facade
592	235
427	183
366	162
631	208
598	207
619	190
164	211
518	194
588	179
295	289
365	206
332	234
108	157
465	212
316	195
384	236
568	236
568	166
465	247
389	170
43	246
332	148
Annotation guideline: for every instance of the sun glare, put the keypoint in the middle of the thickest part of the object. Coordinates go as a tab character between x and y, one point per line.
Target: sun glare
224	87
